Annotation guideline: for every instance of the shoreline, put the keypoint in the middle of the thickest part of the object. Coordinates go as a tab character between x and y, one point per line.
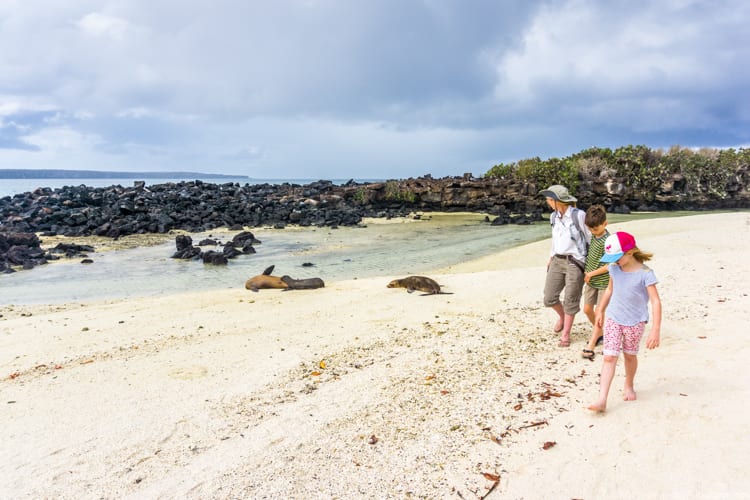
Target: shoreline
360	390
103	245
335	254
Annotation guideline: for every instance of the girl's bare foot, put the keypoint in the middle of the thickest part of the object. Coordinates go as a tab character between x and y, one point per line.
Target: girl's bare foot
628	394
597	407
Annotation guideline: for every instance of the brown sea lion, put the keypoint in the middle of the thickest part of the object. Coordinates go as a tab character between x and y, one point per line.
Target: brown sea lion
303	284
265	280
422	283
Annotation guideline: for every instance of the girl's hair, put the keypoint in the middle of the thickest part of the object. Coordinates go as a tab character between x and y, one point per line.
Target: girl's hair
641	256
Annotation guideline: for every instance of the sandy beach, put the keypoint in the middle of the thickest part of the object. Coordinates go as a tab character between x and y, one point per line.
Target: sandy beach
360	391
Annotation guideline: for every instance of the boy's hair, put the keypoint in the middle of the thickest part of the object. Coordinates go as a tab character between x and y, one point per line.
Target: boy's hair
596	215
641	256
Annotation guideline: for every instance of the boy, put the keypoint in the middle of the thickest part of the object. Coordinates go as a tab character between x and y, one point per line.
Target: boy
596	276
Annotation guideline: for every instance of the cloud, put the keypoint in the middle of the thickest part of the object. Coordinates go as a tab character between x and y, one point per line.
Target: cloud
643	65
102	25
18	124
364	89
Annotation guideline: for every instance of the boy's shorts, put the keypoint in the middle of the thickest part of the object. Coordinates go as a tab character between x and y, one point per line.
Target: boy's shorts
592	295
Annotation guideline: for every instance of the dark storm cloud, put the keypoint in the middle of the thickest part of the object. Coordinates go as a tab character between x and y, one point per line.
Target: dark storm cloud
364	89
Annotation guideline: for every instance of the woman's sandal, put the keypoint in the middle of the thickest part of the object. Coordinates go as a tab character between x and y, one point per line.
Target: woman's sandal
588	354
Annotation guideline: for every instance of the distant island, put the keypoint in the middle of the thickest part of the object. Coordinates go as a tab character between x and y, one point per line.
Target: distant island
17	173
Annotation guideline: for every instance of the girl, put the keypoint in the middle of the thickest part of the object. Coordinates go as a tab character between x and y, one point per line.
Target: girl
632	285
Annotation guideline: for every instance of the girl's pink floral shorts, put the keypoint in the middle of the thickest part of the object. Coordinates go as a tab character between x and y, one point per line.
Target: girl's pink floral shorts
619	337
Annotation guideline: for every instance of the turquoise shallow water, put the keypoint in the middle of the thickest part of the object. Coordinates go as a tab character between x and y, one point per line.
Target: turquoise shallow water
392	249
388	249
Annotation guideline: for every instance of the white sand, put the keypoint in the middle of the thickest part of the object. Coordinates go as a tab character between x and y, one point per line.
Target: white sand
360	391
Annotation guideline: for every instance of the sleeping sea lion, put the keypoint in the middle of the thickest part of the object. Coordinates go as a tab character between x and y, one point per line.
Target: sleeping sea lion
422	283
265	280
303	284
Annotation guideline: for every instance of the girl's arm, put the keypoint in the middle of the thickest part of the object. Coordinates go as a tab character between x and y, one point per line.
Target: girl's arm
654	337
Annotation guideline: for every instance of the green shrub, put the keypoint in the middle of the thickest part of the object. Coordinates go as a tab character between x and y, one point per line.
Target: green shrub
708	171
394	192
500	171
360	196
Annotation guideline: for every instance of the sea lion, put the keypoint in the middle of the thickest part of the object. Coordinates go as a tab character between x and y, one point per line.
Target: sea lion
265	280
422	283
303	284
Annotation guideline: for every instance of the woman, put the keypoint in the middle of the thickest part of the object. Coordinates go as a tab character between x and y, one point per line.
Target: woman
570	238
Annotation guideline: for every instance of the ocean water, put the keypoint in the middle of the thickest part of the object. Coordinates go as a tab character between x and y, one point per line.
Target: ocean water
10	187
391	249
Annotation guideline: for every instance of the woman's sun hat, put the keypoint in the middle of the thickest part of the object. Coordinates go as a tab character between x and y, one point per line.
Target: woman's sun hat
558	193
616	245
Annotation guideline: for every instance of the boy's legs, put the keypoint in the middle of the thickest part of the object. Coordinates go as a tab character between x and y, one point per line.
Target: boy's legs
588	310
590	300
596	334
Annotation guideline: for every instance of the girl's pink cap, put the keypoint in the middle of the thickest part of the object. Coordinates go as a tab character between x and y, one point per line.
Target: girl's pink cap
616	245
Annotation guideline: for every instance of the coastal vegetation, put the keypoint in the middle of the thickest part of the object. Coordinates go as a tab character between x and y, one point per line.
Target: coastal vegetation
394	191
706	170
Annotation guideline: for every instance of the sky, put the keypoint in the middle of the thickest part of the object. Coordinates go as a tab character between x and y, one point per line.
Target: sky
364	89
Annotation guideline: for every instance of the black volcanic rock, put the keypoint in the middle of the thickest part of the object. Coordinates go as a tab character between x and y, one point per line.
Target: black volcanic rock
185	248
214	258
196	206
24	250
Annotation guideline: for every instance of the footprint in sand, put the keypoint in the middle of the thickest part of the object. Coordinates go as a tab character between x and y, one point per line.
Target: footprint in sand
188	372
